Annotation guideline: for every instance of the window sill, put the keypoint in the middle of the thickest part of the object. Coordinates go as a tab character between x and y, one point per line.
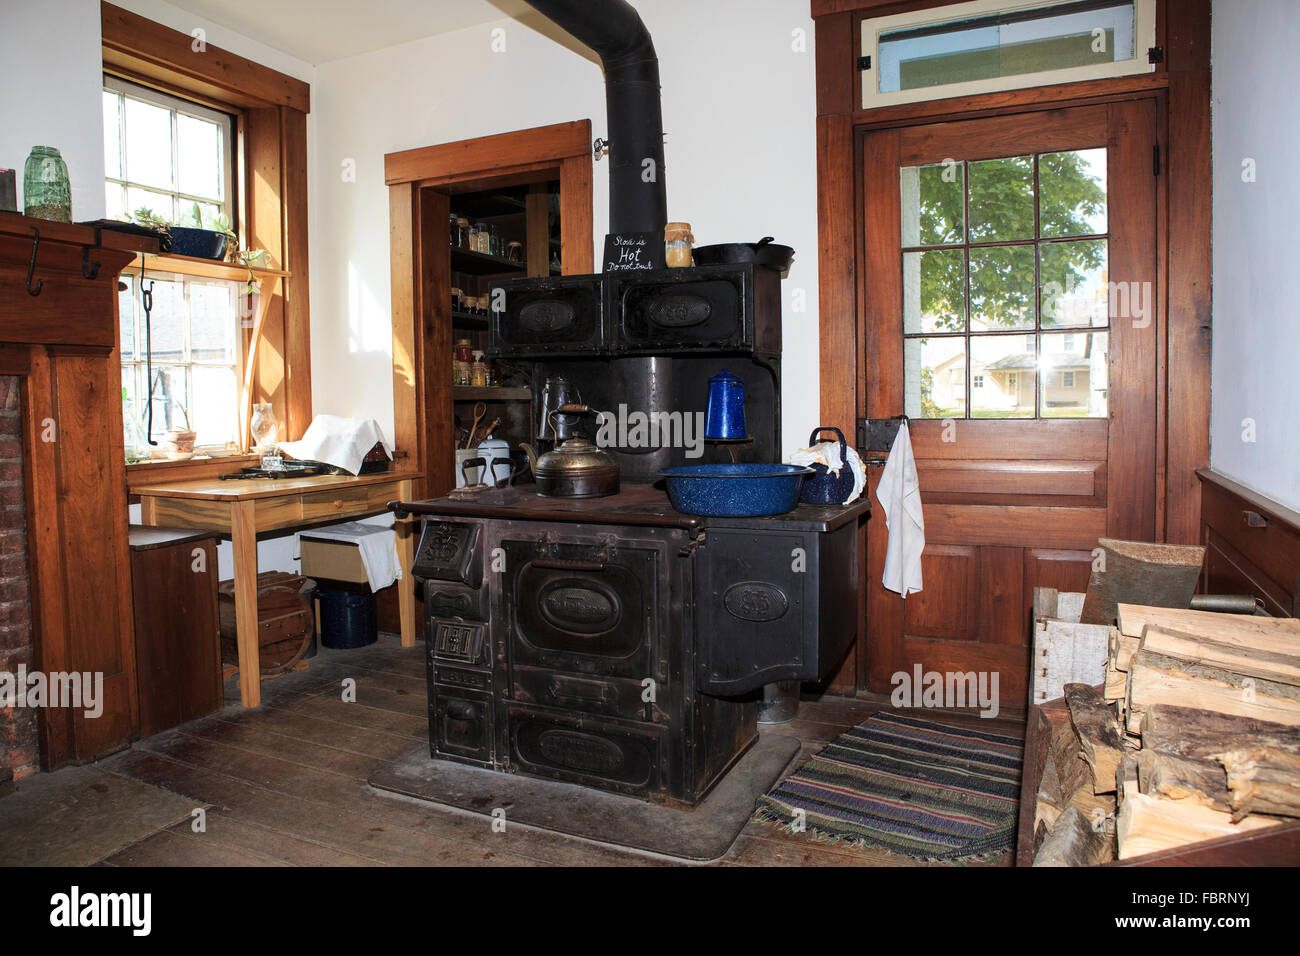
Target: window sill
149	472
203	268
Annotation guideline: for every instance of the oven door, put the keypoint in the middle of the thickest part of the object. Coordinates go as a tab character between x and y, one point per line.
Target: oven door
558	317
716	308
773	606
586	606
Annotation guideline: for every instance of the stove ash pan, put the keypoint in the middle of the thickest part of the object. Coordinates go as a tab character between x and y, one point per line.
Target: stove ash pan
735	308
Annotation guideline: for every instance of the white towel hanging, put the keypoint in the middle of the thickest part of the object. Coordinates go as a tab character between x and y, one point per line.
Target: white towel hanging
899	493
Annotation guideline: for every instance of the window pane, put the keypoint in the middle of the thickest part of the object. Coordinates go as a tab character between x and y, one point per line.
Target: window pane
166	321
934	291
199	154
934	372
1002	199
1074	283
1074	367
148	144
114	202
126	315
1002	288
212	322
160	204
112	135
1007	372
169	399
1006	44
213	414
932	199
1072	193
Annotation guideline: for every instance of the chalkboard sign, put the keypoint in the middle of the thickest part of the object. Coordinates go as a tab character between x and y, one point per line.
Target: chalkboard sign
634	251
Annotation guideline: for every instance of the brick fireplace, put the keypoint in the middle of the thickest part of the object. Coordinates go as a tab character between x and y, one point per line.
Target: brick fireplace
19	750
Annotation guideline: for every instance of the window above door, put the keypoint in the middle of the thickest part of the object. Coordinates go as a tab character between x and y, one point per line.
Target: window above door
989	45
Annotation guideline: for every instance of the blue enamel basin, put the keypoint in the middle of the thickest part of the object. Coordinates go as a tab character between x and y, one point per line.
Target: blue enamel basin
735	491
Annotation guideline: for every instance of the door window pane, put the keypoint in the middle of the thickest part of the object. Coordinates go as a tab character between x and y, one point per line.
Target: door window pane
1002	199
933	200
1074	283
935	377
1001	288
1074	371
934	291
1072	193
1008	375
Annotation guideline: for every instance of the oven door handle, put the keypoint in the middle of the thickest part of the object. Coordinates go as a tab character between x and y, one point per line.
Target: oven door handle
561	564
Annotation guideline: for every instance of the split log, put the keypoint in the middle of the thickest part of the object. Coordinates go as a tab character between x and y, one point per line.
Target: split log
1116	686
1173	777
1076	840
1099	734
1200	734
1157	679
1146	824
1163	575
1280	634
1262	780
1247	661
1122	649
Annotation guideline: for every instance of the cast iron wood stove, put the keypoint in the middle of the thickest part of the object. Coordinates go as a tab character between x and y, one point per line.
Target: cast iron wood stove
614	642
617	643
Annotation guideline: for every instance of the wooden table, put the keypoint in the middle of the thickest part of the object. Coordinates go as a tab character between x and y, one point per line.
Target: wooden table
244	508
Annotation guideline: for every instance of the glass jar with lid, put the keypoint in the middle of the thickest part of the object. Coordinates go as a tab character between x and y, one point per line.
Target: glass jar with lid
677	245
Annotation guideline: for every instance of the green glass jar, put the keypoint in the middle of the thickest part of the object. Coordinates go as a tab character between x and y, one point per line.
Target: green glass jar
46	191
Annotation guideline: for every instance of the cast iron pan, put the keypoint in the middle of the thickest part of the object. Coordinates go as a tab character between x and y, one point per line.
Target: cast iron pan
765	252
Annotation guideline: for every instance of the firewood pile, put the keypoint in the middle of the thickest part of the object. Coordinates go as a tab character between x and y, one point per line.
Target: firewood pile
1194	734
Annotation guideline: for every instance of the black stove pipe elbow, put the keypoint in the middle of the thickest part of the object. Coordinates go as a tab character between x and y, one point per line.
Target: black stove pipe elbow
613	29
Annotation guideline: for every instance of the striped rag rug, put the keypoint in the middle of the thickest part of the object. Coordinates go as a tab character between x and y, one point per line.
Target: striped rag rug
923	789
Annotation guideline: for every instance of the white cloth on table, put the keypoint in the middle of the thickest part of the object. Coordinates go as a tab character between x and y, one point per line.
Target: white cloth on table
899	493
341	442
377	544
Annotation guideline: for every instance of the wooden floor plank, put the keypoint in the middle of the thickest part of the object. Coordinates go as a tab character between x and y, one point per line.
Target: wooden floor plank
168	848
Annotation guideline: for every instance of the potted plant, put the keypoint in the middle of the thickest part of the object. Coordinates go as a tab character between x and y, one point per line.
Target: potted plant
178	443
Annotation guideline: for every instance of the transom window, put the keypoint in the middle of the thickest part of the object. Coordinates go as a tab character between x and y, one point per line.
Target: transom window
164	154
999	256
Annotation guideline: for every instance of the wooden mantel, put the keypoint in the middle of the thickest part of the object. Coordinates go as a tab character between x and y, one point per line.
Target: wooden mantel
63	344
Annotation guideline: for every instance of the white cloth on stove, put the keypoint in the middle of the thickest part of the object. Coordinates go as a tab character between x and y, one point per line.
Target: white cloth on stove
828	453
341	442
899	493
377	544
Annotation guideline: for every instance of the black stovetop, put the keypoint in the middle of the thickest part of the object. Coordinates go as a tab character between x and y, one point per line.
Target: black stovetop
640	504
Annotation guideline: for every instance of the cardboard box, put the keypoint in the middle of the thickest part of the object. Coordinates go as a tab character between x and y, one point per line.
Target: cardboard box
327	560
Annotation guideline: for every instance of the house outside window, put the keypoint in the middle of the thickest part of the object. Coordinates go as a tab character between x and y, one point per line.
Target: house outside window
173	159
1067	379
977	381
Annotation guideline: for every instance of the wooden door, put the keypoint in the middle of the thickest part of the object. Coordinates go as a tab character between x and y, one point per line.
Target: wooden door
1009	274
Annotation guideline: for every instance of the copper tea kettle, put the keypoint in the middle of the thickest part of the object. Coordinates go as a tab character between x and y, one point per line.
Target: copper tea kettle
576	468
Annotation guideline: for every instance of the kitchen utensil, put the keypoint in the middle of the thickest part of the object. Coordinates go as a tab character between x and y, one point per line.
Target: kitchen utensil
736	491
822	487
491	428
557	391
577	468
480	409
765	252
725	417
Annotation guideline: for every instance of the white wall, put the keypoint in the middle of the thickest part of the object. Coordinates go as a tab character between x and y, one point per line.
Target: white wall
1256	357
739	111
50	71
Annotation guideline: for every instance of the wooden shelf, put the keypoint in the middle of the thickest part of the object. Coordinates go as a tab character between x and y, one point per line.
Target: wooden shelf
480	264
468	393
469	321
202	268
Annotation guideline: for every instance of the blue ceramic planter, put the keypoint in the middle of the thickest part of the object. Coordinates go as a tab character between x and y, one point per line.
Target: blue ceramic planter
199	243
735	491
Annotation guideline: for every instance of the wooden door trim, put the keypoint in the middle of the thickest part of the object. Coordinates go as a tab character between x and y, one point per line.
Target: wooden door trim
419	184
1071	127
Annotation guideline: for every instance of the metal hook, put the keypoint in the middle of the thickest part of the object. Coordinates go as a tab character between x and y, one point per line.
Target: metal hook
89	270
31	268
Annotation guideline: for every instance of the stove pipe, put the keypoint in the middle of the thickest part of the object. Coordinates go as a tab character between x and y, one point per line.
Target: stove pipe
613	29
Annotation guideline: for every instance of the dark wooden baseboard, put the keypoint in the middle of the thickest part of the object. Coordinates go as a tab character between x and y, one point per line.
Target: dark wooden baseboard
1253	545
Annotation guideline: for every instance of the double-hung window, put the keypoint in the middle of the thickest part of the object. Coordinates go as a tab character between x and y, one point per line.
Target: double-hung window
173	158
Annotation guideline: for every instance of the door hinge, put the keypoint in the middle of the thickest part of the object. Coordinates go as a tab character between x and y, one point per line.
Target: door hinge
1155	160
864	63
1156	54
